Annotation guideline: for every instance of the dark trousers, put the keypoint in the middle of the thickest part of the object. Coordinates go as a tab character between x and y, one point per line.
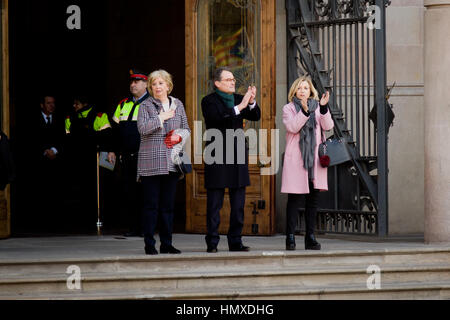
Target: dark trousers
159	198
293	205
82	192
48	197
214	205
132	191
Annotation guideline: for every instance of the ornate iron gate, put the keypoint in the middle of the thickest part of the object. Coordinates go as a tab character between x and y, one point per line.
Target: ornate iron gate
341	44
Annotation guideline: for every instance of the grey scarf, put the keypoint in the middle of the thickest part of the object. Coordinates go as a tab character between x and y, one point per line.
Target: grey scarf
308	136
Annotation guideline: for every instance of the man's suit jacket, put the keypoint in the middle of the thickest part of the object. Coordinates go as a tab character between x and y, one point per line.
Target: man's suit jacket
218	116
46	136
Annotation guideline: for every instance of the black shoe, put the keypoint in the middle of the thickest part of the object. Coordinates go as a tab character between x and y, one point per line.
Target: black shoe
311	243
239	247
212	249
151	250
290	242
169	249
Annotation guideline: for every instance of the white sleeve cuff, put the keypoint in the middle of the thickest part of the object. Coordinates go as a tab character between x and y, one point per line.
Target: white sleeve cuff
236	109
252	106
54	150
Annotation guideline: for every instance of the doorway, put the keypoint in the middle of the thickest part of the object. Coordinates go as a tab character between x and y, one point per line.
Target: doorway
46	56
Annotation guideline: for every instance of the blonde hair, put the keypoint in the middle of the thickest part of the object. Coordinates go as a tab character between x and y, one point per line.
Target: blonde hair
163	74
296	85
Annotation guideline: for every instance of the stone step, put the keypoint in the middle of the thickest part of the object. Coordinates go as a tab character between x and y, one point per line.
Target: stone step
227	261
256	277
389	291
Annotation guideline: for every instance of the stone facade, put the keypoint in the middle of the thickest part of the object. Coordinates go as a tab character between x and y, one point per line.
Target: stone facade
437	121
405	42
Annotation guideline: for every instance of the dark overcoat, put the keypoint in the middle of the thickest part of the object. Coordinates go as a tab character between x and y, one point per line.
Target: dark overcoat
218	116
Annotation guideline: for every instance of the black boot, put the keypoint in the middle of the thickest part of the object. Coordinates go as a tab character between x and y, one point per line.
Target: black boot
290	242
311	242
168	249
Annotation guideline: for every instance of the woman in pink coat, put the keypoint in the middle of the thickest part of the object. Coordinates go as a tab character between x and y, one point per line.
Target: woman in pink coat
305	117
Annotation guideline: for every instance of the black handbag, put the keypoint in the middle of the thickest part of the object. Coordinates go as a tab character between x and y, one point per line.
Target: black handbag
184	166
333	152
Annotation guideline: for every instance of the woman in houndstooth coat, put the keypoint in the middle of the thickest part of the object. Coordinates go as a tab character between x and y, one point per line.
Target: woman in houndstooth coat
159	117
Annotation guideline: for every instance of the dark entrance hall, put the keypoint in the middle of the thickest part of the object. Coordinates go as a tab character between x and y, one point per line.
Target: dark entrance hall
46	57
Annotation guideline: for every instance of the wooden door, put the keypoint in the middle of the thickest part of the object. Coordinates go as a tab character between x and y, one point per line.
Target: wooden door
5	221
241	35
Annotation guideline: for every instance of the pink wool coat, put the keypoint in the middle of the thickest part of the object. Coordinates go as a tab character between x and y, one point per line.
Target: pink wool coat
295	176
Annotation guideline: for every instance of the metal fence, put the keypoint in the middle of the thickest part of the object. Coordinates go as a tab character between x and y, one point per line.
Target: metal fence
341	45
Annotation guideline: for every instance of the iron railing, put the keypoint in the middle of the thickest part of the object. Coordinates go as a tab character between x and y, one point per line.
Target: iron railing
341	45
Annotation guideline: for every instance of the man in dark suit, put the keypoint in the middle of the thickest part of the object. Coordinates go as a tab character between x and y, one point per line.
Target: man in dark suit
50	132
47	147
223	111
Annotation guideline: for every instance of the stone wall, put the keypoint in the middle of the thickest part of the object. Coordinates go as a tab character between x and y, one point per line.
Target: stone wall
405	41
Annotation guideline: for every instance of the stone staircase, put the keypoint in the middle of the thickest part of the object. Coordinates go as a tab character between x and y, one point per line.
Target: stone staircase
404	274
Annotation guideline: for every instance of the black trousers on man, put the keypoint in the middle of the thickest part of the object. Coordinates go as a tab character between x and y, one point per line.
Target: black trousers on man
132	191
214	205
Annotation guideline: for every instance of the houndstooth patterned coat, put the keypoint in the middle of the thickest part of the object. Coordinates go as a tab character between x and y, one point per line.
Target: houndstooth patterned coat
154	156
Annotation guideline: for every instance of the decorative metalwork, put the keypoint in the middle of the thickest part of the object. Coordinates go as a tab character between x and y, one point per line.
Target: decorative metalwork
344	7
329	10
322	7
242	4
344	222
330	41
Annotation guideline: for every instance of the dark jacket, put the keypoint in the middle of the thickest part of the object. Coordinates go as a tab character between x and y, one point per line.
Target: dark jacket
47	136
218	116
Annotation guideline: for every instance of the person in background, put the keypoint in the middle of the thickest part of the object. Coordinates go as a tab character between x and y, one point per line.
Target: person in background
126	144
46	141
88	132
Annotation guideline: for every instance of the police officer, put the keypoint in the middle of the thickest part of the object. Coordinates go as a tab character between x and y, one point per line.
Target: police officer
88	131
127	141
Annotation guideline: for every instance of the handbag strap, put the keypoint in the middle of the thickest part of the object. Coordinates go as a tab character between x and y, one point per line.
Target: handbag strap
323	136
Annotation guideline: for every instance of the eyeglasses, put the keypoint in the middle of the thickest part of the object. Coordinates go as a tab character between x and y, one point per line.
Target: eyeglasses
229	80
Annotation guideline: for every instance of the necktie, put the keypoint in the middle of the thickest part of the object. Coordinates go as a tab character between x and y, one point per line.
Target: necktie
48	121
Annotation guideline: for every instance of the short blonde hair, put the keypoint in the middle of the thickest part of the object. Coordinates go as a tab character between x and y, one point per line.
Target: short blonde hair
296	85
163	74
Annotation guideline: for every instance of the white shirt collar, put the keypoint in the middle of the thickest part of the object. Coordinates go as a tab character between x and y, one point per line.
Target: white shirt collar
45	116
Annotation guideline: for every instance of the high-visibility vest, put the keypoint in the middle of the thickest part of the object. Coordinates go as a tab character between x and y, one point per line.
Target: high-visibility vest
99	123
126	117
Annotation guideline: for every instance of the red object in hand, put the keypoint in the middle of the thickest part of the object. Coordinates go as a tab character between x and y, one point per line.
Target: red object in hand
172	139
324	161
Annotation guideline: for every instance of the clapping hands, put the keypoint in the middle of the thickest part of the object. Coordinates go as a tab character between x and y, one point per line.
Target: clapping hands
249	98
325	99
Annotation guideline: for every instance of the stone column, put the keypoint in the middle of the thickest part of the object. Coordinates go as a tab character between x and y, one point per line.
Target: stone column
437	121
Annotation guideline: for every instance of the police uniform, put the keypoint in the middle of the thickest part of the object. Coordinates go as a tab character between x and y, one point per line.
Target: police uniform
127	141
88	131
